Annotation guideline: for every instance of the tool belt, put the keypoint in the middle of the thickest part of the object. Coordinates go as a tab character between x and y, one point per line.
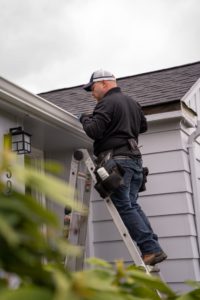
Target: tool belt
129	149
106	160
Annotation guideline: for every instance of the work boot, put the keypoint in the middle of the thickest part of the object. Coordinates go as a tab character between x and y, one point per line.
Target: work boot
154	258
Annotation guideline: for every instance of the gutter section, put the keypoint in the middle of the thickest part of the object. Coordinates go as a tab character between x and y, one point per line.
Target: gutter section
38	107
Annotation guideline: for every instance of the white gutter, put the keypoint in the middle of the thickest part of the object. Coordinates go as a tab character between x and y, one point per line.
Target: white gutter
194	179
36	106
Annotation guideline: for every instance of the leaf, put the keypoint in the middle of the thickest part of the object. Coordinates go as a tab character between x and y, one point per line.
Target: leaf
50	185
113	296
53	167
192	295
195	284
67	249
7	232
62	285
40	212
98	262
151	281
93	279
27	293
27	207
142	292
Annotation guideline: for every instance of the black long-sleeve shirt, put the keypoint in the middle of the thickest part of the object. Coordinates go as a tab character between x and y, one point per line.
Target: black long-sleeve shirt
115	119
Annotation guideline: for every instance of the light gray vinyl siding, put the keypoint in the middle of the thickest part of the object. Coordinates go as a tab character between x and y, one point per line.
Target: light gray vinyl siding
167	202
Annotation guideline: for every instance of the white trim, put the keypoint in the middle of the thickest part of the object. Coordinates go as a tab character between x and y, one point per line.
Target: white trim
193	89
171	115
193	94
36	106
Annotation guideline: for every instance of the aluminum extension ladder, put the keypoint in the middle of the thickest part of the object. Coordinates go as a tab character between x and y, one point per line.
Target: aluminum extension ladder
78	223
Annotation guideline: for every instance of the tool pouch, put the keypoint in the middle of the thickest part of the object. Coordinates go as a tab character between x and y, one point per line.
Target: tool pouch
144	181
109	177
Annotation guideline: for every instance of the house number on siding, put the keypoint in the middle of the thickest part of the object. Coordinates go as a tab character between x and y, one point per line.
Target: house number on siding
8	182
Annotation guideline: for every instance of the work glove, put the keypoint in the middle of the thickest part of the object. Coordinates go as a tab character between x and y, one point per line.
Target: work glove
81	116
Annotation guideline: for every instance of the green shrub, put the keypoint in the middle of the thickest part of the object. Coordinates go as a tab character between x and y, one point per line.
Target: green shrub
35	259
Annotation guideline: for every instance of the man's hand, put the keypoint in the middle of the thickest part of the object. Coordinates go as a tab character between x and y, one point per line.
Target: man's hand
83	115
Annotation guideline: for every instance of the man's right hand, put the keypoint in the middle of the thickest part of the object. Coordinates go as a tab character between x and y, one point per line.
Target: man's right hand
83	115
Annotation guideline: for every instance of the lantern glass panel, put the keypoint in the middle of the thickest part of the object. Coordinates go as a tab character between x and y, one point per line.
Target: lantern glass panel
14	147
17	138
20	146
27	147
26	138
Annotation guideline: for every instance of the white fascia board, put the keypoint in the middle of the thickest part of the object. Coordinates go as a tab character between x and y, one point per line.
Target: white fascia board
192	98
169	116
36	106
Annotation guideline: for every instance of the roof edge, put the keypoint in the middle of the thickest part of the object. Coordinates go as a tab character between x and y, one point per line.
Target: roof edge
160	70
37	106
125	77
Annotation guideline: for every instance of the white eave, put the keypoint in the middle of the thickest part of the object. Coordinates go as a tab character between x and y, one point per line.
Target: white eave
33	105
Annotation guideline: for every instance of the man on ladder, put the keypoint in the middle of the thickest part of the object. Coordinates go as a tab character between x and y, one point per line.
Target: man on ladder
114	126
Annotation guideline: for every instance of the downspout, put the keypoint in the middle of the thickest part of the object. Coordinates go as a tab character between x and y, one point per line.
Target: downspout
194	180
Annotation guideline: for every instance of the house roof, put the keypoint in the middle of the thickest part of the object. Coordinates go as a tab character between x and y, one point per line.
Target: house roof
149	89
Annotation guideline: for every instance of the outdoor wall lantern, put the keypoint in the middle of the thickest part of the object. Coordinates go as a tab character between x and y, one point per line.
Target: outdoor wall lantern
21	140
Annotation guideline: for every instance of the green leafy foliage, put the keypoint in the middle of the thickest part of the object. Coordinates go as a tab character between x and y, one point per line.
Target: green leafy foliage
32	251
24	293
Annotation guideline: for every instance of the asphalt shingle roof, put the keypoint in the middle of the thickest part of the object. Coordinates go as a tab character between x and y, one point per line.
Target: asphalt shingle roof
152	88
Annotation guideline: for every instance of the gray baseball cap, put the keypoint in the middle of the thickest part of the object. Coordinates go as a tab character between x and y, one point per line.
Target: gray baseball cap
98	75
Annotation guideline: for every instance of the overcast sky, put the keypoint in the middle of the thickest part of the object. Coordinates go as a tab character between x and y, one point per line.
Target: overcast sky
51	44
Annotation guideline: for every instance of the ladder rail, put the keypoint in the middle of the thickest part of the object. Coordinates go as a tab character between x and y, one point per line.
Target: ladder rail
73	264
81	181
79	236
69	261
133	251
